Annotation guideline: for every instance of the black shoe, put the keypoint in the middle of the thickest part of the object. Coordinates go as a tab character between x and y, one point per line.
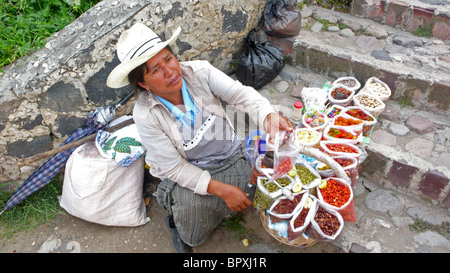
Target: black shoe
180	246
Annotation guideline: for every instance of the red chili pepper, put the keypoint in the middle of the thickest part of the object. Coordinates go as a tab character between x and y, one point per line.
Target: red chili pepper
335	193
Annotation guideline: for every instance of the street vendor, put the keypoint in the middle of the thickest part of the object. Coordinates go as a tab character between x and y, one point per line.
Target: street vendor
191	143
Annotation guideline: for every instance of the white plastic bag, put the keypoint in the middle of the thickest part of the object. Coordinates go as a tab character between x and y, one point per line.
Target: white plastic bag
330	134
349	82
362	114
99	190
314	229
347	101
346	210
295	204
378	88
305	213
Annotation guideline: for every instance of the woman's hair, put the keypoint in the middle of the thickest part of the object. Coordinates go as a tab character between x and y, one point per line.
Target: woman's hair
137	75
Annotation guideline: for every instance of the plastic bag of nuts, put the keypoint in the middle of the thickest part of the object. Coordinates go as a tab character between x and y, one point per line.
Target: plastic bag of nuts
378	88
370	103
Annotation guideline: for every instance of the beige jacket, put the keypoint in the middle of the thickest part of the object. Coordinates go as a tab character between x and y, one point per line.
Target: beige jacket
159	132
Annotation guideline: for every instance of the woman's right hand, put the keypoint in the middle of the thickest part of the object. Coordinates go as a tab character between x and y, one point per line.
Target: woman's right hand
235	198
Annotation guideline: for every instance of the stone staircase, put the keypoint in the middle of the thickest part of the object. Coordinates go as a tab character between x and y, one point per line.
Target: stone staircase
409	148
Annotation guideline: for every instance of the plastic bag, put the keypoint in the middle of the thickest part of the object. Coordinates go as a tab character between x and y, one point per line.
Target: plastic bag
350	82
306	175
285	154
315	120
268	190
283	208
301	219
349	122
341	134
308	137
341	95
259	169
314	99
283	18
348	163
260	63
337	149
330	193
378	88
369	102
323	214
362	114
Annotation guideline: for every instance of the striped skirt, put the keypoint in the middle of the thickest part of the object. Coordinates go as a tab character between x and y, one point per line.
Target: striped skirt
195	215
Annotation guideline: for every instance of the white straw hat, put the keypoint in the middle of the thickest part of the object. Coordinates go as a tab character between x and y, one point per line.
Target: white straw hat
136	46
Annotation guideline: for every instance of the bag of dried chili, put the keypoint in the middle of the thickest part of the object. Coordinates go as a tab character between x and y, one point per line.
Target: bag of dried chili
348	163
339	149
301	219
338	194
283	208
326	223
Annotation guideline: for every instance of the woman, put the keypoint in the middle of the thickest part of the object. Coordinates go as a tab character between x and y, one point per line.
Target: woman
190	141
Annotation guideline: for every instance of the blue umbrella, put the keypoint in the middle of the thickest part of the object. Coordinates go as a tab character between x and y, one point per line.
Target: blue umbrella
96	120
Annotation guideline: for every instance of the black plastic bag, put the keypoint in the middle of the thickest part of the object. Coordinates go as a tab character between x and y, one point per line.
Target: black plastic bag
260	63
282	18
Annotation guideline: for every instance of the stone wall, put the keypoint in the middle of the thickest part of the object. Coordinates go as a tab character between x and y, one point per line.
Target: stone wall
47	95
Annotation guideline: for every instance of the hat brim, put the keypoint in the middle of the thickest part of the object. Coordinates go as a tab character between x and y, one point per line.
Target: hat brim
119	75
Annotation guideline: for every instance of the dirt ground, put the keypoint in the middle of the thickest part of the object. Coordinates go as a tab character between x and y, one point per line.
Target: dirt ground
66	234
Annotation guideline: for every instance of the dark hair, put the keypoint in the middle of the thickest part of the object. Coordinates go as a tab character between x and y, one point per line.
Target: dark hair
137	75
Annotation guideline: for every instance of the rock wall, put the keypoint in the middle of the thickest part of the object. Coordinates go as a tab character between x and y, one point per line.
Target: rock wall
47	95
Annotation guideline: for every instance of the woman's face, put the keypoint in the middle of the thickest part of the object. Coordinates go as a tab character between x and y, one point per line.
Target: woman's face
162	75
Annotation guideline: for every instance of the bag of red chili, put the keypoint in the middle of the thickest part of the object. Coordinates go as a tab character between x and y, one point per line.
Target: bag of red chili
338	195
348	163
332	148
285	154
326	223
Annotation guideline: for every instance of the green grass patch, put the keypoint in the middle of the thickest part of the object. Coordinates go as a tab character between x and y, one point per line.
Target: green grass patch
33	211
422	226
26	24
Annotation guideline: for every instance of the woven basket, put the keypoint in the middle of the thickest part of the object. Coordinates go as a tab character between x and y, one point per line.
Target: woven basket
299	242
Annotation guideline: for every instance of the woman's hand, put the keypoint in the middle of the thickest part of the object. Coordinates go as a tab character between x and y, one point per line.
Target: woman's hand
275	122
235	198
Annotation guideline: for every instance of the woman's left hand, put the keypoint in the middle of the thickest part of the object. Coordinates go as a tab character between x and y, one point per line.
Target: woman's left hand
275	122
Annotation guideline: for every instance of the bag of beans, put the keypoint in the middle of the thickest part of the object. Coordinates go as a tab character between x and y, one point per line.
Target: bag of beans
285	207
268	190
378	88
341	95
326	223
338	194
369	102
349	82
306	175
301	218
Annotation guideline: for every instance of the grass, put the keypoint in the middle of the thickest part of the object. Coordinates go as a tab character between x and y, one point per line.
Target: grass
26	24
35	210
421	226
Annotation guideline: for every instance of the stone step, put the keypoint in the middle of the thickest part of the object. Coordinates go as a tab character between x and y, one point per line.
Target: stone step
336	44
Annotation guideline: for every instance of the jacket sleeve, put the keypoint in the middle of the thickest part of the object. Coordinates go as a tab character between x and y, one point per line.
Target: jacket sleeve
243	98
163	157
